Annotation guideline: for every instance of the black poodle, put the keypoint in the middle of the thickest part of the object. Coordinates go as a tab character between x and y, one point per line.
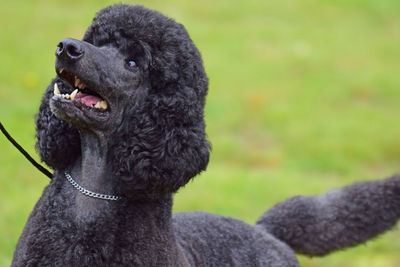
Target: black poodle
122	126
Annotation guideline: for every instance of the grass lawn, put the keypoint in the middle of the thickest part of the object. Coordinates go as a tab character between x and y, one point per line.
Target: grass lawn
304	96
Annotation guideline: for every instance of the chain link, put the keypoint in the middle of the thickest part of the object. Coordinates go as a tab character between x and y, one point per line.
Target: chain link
88	192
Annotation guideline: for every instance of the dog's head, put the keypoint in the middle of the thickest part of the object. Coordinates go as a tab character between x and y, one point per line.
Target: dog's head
137	79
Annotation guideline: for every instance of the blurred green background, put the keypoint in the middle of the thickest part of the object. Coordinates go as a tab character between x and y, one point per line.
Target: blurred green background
304	96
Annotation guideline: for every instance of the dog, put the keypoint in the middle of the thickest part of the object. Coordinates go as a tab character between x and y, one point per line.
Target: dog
122	125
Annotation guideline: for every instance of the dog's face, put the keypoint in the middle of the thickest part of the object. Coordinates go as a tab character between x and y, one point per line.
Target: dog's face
137	79
95	85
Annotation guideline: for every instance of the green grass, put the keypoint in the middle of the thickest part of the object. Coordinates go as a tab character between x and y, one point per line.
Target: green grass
304	96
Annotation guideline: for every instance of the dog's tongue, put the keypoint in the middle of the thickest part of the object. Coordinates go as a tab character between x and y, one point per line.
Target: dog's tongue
88	100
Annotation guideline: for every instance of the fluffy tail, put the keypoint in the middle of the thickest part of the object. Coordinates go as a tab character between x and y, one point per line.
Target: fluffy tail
345	217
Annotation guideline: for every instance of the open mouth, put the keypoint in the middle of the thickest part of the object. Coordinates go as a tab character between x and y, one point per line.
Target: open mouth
82	95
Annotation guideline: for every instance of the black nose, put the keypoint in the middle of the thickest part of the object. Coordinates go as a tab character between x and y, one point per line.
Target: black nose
70	50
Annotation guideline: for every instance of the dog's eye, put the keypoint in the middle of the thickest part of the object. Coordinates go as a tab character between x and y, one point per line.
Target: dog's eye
131	64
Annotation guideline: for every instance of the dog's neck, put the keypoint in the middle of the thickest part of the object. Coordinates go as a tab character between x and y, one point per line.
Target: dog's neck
92	172
145	223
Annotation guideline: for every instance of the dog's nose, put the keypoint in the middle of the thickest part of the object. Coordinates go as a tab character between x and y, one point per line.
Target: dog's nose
70	50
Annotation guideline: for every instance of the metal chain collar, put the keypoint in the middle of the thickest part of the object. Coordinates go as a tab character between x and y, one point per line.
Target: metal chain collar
88	192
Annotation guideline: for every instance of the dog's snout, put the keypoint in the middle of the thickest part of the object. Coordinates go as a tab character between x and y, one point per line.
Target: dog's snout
70	50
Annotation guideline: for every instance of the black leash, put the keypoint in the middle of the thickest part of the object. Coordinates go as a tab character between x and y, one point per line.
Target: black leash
26	154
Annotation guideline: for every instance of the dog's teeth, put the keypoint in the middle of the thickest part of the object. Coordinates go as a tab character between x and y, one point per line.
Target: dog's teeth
97	105
73	94
56	91
61	70
65	96
77	81
103	104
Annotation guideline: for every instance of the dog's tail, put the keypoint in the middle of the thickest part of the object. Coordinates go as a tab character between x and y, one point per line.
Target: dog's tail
340	218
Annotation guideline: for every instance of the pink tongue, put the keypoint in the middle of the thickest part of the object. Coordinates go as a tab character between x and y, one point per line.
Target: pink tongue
88	100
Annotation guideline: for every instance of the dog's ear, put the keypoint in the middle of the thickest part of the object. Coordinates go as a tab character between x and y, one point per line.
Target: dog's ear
58	141
155	157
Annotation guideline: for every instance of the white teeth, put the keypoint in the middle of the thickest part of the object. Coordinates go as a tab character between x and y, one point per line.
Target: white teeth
77	81
81	85
56	91
101	105
61	70
73	94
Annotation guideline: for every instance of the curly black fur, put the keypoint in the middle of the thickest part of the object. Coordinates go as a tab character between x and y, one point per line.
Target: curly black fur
149	143
162	142
58	141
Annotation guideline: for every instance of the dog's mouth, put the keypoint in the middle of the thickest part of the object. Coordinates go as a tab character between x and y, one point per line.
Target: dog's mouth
72	89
